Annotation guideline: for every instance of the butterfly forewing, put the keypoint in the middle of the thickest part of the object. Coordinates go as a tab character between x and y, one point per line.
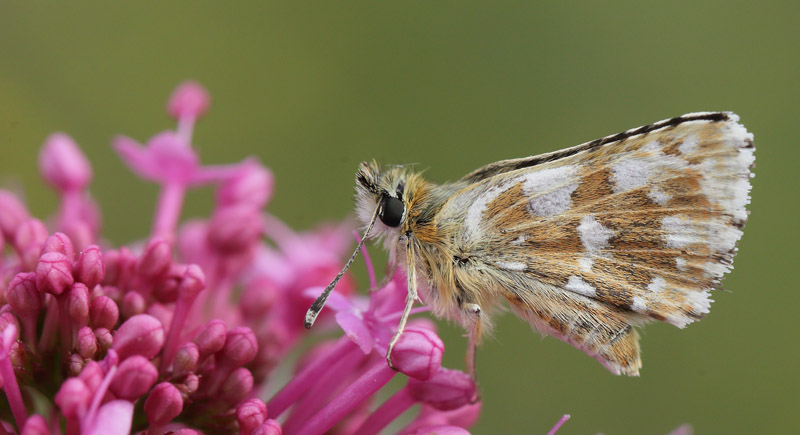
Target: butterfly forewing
588	241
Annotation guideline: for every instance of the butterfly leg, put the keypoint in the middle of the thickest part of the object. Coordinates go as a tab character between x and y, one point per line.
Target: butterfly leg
410	298
473	315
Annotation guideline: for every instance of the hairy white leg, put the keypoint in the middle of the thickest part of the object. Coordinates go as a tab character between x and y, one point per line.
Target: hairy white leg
474	313
410	298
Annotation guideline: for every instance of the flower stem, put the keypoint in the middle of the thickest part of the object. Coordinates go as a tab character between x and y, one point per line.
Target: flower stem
98	397
186	128
182	308
333	380
169	209
558	425
366	385
70	208
307	377
387	412
50	324
11	388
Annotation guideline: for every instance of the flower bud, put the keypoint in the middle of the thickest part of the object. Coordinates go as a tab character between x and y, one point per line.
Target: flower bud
269	427
156	259
418	353
86	343
140	335
240	347
23	296
163	404
446	390
235	228
73	396
104	339
90	268
212	338
188	385
78	304
54	273
186	359
75	364
237	386
135	376
251	185
251	414
59	242
12	214
189	99
193	281
63	165
103	313
35	425
133	304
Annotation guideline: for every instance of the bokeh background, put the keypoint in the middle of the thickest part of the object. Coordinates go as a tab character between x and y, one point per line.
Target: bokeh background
314	88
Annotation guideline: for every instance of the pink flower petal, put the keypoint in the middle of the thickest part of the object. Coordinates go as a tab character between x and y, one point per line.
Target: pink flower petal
355	329
115	417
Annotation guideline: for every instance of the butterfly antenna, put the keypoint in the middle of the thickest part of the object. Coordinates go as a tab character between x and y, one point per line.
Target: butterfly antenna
316	307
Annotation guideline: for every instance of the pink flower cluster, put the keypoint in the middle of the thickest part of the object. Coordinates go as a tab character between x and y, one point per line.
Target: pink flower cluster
183	332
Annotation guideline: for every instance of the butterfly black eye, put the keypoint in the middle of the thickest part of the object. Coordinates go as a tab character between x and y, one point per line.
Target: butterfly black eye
391	211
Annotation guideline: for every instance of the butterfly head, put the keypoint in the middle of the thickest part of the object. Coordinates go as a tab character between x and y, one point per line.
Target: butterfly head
382	190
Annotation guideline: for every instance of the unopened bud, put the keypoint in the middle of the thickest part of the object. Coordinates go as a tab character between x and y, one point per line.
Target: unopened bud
163	404
135	376
140	335
59	242
63	164
103	312
54	273
90	268
418	353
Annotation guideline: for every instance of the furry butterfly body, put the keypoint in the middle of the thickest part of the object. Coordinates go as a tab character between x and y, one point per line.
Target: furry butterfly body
585	244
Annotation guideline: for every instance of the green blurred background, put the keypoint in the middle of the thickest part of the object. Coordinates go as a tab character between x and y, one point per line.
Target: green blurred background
313	89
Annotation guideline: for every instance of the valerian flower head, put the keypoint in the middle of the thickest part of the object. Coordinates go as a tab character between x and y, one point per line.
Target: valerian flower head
182	331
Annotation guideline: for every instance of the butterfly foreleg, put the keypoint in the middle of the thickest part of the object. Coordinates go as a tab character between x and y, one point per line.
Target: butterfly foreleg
410	297
472	314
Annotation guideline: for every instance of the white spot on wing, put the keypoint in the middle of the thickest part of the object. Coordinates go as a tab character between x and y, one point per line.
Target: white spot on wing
657	285
586	264
511	265
639	305
581	287
475	211
689	145
681	264
550	189
659	196
630	174
714	233
594	235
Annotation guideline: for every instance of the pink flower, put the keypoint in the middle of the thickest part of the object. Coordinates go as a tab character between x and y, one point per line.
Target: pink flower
63	164
190	321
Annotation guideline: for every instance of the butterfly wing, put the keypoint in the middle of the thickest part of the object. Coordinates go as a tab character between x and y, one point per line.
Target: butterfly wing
589	241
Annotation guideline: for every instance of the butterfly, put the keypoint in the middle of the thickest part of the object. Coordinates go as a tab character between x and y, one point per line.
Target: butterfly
586	243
